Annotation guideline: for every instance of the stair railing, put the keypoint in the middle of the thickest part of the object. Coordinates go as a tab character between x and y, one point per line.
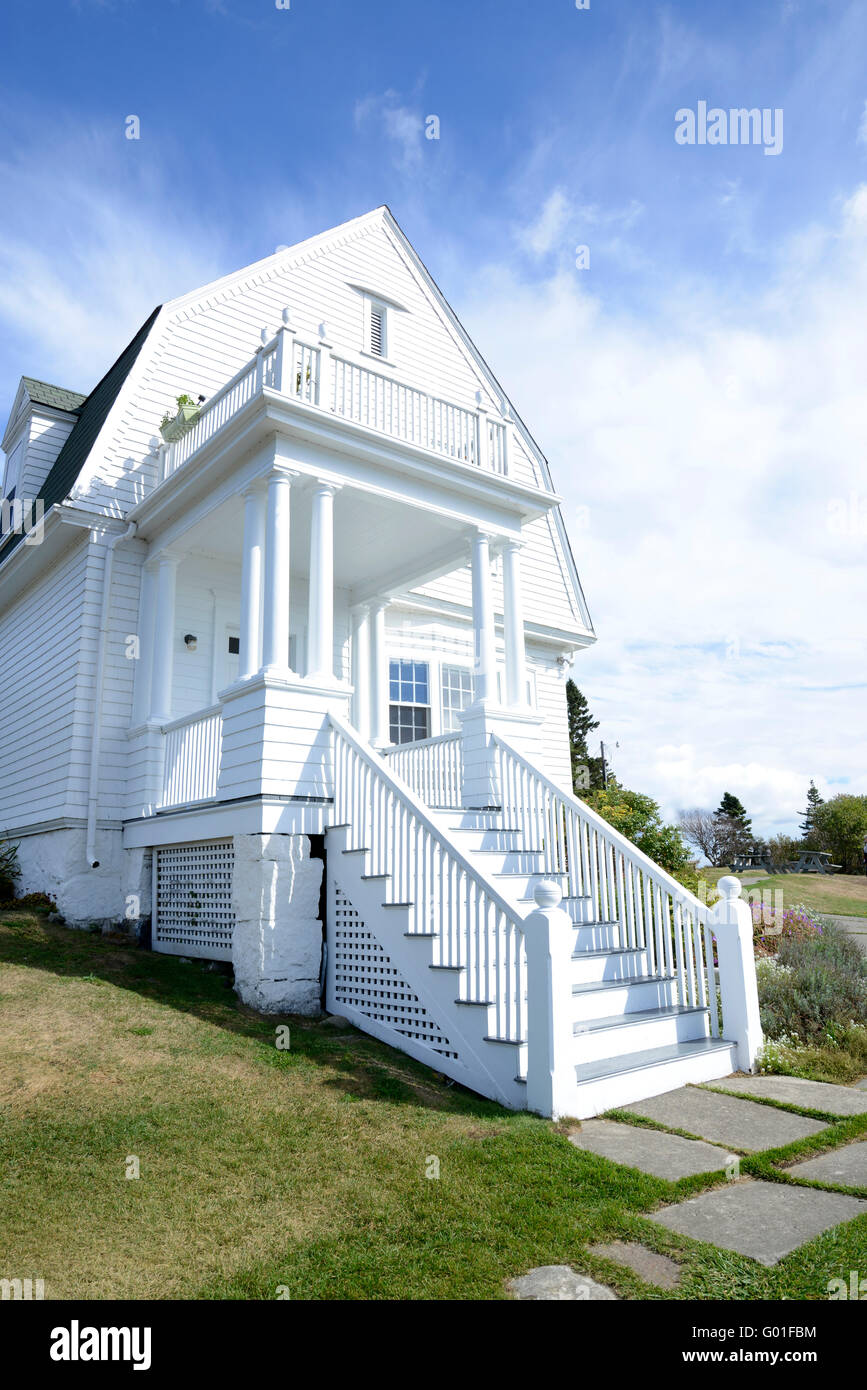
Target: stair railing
593	861
470	924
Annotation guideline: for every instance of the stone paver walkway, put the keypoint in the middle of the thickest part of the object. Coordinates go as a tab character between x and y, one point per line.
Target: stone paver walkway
739	1124
652	1268
664	1155
792	1090
847	1167
766	1220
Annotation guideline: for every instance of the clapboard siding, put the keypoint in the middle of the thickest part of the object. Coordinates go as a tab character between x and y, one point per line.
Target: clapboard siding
48	434
39	668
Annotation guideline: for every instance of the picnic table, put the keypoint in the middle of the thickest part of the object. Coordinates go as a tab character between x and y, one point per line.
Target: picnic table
752	859
811	861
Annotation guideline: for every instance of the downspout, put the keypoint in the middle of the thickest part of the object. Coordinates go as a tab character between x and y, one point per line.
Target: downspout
96	739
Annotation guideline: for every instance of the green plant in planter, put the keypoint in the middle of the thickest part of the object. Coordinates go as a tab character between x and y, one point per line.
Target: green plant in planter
173	426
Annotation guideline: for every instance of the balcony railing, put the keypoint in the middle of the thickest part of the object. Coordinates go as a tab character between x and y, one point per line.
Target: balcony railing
313	374
192	758
432	767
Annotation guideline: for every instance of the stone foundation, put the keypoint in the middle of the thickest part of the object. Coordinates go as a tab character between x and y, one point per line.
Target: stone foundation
116	896
277	941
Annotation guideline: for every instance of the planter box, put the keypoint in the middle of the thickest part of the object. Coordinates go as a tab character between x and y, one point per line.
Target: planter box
183	421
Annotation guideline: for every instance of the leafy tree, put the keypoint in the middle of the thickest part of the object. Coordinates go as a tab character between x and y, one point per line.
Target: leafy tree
840	826
638	818
586	771
814	801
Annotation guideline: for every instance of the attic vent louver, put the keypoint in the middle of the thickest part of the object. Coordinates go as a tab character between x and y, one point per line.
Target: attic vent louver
377	331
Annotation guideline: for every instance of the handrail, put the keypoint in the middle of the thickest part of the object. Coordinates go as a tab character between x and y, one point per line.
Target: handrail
587	813
471	924
654	913
419	743
407	795
184	719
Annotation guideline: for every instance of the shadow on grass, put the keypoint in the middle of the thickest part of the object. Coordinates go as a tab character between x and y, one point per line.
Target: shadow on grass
363	1068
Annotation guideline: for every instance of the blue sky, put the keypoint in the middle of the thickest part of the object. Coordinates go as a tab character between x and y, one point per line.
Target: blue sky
698	389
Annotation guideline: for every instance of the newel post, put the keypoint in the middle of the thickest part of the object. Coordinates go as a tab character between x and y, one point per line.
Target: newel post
731	922
549	937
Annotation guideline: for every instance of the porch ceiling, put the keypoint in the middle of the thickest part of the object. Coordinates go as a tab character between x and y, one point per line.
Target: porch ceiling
381	546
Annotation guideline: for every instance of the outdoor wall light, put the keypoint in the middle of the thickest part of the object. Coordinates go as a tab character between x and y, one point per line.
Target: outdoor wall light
190	641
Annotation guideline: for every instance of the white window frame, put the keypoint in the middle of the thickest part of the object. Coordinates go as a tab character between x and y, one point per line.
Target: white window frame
446	711
412	704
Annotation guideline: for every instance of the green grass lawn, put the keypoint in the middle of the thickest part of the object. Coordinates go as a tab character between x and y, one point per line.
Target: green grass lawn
843	895
303	1168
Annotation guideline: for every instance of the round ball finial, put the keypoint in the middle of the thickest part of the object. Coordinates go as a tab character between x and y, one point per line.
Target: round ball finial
547	894
729	886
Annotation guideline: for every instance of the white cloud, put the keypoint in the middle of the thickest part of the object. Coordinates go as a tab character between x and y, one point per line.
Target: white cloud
720	452
402	126
547	231
84	258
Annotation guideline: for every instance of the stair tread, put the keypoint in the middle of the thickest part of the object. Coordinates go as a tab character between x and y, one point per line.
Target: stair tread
607	951
595	1025
591	986
650	1057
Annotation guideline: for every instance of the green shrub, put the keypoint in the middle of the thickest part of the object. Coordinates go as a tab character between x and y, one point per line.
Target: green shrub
9	870
816	987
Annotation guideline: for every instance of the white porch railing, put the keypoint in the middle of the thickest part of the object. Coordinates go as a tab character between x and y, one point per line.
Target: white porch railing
433	767
656	912
471	925
311	373
192	758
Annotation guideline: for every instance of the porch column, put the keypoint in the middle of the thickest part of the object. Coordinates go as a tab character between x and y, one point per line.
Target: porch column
361	670
513	625
379	735
164	639
145	663
252	565
275	628
320	623
483	620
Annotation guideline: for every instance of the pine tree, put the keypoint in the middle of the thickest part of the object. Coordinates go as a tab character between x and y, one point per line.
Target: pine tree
586	771
814	801
735	827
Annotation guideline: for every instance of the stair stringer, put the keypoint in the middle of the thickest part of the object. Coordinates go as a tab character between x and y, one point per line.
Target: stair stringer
481	1065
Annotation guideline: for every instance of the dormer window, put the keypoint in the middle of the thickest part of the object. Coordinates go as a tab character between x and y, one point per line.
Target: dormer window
375	327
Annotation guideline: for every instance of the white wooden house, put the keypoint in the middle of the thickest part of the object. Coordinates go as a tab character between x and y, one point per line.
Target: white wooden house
289	689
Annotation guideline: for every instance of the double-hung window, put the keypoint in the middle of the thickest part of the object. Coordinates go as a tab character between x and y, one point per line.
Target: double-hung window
457	693
409	700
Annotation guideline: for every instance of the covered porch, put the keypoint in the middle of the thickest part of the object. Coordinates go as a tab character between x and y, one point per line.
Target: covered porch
266	606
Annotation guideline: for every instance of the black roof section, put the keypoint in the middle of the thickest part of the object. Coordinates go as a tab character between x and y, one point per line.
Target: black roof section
43	393
92	415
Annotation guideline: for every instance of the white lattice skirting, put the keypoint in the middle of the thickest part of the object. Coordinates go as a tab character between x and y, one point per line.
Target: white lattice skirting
193	900
366	981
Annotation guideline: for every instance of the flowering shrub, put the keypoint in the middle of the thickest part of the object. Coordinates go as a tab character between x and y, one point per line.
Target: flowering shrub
772	927
815	987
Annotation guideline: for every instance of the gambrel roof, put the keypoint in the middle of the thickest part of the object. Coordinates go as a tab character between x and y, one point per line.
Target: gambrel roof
92	411
197	341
